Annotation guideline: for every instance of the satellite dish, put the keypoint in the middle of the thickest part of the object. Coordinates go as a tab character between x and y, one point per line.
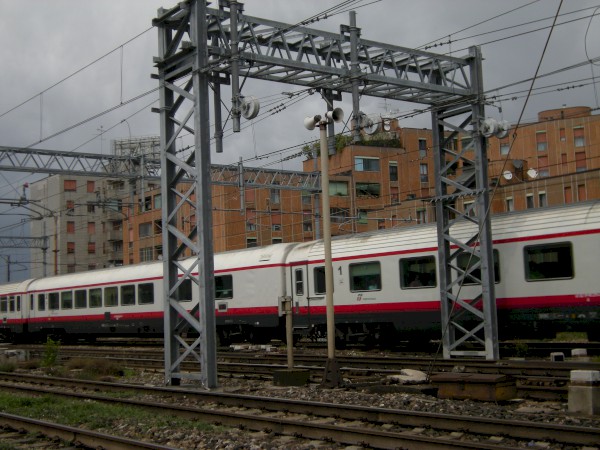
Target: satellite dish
489	127
507	174
502	129
250	107
532	173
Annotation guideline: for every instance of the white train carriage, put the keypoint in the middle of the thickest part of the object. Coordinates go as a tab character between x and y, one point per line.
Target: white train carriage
385	283
116	301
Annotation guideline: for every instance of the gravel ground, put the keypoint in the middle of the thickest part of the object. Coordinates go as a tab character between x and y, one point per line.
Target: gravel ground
518	409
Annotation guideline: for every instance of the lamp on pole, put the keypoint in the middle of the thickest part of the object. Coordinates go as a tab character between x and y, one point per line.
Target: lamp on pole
332	377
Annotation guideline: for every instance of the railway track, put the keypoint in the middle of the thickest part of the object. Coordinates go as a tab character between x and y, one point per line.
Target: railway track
334	423
535	379
17	432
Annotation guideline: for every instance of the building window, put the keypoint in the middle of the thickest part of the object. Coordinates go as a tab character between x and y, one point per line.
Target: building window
543	170
145	229
91	248
70	268
421	216
504	148
69	185
424	173
393	167
564	161
510	204
363	216
542	199
250	220
307	222
70	207
70	227
581	193
157	201
381	224
339	188
580	162
578	137
91	228
368	189
146	254
365	164
91	187
422	148
251	242
307	196
276	240
568	195
70	247
91	207
541	141
338	215
529	201
275	196
562	135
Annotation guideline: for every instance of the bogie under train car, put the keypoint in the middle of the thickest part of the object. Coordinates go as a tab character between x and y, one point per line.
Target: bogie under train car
386	287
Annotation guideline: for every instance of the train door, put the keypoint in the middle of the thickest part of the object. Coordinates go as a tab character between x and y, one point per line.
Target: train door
300	297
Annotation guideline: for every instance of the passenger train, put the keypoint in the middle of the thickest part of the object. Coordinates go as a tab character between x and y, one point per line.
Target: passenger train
386	286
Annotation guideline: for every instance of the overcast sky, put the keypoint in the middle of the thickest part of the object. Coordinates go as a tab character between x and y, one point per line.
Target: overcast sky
45	42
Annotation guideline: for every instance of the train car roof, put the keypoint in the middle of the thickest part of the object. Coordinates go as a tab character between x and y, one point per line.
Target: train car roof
512	225
15	287
131	273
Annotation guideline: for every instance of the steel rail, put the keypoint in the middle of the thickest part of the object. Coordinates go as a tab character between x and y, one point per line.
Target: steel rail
352	435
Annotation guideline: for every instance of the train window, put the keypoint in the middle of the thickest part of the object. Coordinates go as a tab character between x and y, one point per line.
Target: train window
53	301
299	281
95	298
3	304
184	291
111	296
128	294
11	303
365	276
66	300
417	272
548	261
41	302
466	259
81	298
224	286
18	303
31	302
145	293
319	275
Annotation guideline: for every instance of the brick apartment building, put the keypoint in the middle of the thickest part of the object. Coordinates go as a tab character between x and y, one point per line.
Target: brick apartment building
386	184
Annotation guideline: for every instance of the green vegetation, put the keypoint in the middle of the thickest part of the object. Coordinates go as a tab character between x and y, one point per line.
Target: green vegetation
94	415
381	139
95	369
51	351
7	366
571	336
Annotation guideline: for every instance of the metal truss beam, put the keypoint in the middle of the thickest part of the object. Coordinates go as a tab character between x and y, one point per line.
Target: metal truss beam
17	159
464	234
276	51
23	242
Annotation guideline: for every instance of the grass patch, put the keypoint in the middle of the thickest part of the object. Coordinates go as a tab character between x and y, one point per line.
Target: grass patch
95	369
7	366
571	336
94	415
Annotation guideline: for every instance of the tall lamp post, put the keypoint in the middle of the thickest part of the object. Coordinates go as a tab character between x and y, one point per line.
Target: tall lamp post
332	377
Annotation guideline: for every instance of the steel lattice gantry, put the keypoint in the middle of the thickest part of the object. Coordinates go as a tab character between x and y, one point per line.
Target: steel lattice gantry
200	45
